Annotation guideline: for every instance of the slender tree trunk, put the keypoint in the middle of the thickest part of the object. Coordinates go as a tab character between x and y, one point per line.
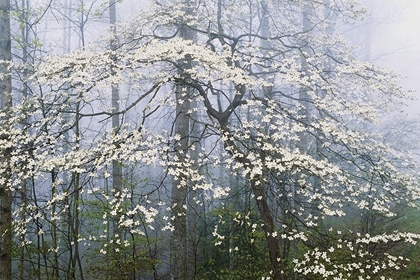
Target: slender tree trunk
259	187
68	6
76	260
195	210
115	96
74	220
268	226
21	265
179	189
303	93
26	182
54	225
179	244
266	45
5	105
261	199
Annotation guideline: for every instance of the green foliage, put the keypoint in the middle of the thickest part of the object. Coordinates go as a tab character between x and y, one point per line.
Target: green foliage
408	221
241	252
120	260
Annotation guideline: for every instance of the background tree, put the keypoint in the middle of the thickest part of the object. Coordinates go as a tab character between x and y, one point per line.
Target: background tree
5	105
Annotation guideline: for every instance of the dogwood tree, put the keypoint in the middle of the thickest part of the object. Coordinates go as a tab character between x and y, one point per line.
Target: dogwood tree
280	100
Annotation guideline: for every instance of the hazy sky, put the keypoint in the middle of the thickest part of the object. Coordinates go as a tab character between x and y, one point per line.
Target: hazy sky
396	40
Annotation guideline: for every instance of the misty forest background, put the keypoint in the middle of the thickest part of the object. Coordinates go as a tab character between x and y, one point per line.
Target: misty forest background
205	139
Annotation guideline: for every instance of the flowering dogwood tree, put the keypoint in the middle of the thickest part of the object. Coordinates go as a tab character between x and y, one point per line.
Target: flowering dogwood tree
259	89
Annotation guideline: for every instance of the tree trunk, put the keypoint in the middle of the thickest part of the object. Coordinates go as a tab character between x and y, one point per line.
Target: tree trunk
25	90
268	227
115	96
257	187
179	244
179	189
54	226
5	105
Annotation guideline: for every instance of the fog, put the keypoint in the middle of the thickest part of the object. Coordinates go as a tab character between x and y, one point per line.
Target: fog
396	41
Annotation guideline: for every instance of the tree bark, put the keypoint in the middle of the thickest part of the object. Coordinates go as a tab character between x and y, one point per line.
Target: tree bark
116	165
179	244
257	187
268	227
180	190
